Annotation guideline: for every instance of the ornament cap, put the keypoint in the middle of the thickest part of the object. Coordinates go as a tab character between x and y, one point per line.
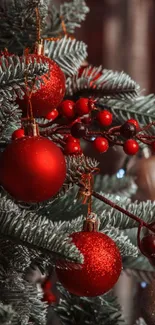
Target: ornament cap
39	47
92	223
30	127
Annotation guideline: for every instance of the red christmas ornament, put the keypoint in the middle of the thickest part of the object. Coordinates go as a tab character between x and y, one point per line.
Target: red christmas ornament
104	118
131	147
48	296
82	106
101	269
52	115
147	245
135	122
18	134
101	144
72	148
32	169
67	108
51	92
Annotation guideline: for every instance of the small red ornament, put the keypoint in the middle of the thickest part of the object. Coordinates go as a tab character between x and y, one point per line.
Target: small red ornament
32	169
18	134
48	296
67	108
52	115
101	144
101	269
135	122
147	245
51	92
72	148
104	118
82	106
131	147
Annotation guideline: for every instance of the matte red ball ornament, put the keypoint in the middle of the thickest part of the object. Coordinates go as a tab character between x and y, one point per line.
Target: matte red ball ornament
51	116
72	148
82	106
101	144
131	147
101	269
66	108
135	122
51	92
32	169
18	134
104	118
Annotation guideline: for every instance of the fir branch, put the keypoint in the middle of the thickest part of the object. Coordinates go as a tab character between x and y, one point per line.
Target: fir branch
6	314
36	232
68	53
18	28
141	109
82	310
72	13
139	264
99	83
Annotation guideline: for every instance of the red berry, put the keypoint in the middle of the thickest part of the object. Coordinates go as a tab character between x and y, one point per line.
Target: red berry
131	147
101	144
67	108
104	118
147	245
18	134
72	139
135	122
52	115
72	148
47	285
82	106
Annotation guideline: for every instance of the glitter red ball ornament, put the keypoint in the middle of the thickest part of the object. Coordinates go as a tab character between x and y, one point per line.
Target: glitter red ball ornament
51	91
101	144
104	118
131	147
101	269
32	169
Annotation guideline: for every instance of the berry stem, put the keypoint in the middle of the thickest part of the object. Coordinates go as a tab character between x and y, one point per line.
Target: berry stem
122	210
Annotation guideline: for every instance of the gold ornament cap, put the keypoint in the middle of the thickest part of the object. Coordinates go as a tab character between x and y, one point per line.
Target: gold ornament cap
91	223
30	127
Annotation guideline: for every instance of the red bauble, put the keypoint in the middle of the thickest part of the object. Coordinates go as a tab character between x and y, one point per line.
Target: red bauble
48	296
131	147
101	144
135	122
66	108
147	245
101	269
52	115
32	169
18	134
104	118
51	92
83	106
72	148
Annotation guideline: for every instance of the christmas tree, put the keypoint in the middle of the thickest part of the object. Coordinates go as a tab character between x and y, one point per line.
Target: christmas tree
55	213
